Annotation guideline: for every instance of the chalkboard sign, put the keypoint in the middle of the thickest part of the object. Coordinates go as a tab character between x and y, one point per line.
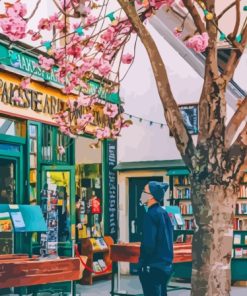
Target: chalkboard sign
111	189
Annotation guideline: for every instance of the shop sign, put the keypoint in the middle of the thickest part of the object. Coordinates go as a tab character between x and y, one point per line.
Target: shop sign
31	99
111	188
36	103
29	64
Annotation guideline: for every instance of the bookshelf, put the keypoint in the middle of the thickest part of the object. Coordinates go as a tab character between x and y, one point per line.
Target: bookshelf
97	251
239	250
33	160
180	195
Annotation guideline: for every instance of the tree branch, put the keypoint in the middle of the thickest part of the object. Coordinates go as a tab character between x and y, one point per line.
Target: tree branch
189	4
236	154
235	122
172	114
225	10
34	11
235	56
237	23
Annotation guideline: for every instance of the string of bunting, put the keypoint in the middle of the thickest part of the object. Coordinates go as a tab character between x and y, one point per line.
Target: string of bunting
145	120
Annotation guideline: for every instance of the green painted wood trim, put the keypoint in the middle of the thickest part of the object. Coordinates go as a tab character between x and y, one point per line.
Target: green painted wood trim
105	187
178	172
150	165
12	139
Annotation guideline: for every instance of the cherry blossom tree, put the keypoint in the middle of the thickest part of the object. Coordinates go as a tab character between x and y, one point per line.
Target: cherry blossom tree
93	45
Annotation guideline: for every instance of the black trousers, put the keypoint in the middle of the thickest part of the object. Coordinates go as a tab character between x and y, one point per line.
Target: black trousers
153	281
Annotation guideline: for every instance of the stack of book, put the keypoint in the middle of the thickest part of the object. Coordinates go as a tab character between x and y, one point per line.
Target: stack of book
99	265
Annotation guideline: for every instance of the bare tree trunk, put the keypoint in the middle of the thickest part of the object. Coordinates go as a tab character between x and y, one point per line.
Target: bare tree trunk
214	207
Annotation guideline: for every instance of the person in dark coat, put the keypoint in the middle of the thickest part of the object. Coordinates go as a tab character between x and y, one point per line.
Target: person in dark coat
156	255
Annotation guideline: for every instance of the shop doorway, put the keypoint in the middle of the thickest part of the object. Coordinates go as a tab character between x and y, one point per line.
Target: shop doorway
7	181
58	191
136	212
8	170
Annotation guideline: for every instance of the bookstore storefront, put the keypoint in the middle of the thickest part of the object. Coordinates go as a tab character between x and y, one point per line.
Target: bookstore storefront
32	171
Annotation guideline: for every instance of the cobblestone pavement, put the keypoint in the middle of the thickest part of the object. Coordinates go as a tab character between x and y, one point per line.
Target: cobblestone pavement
132	285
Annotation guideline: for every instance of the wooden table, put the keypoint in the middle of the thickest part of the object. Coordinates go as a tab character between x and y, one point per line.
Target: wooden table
20	270
129	252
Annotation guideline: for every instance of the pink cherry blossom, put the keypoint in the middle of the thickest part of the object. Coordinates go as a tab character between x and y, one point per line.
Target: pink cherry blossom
35	35
198	43
61	150
13	27
46	63
85	119
127	58
17	9
177	32
25	83
84	101
105	69
45	24
17	99
103	133
108	35
111	110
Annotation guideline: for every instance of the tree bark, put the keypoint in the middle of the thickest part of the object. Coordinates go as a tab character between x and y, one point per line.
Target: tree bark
214	207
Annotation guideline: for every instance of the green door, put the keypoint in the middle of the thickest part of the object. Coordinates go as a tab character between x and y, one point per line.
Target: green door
61	179
11	190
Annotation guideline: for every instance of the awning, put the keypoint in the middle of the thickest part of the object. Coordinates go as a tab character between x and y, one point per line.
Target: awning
178	172
150	165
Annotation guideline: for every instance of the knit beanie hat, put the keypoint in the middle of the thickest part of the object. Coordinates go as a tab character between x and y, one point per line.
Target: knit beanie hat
157	189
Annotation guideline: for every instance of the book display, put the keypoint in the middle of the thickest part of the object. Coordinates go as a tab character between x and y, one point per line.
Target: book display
240	223
180	195
89	209
97	250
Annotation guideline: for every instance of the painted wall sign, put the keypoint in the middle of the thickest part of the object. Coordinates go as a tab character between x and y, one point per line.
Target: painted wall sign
111	188
29	64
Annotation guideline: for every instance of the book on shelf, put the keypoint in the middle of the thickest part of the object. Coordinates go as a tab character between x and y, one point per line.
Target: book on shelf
180	238
179	219
173	219
238	252
102	244
189	238
245	239
241	208
96	266
94	244
186	208
244	253
243	191
237	239
102	264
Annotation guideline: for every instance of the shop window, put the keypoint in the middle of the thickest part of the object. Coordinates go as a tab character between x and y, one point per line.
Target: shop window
89	199
12	127
33	157
65	142
47	143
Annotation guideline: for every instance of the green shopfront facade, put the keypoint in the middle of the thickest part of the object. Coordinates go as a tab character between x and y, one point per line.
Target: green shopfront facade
29	159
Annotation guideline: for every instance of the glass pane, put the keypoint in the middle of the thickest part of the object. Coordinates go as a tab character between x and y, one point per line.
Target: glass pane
7	181
55	203
12	127
47	143
63	141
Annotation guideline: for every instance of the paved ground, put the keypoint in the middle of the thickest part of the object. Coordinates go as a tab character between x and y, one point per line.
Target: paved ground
132	285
